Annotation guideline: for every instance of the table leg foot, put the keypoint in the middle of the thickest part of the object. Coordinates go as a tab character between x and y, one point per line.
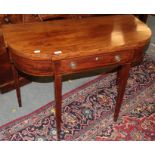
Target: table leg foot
58	100
122	78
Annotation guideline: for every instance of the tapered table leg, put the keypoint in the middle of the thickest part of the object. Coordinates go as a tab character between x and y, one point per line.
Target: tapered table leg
122	78
16	82
118	75
58	100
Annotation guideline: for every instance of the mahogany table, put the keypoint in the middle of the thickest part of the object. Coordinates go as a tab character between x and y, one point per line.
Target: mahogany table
61	47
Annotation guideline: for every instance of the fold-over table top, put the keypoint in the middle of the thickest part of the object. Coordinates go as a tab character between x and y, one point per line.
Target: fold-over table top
70	38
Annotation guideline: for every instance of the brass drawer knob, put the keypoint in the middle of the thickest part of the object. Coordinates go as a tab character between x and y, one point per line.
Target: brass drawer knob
117	58
73	65
97	58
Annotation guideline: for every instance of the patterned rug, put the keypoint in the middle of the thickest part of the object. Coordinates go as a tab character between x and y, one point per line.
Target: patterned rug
88	111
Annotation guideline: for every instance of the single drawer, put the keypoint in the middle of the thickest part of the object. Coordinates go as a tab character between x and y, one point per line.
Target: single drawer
91	62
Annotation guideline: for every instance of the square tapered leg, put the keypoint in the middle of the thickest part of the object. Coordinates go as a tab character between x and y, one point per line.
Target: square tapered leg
122	78
16	82
58	100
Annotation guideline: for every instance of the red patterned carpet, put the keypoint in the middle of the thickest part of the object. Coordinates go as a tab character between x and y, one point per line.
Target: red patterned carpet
88	112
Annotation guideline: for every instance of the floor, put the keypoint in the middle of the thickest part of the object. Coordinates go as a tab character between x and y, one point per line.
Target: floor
39	92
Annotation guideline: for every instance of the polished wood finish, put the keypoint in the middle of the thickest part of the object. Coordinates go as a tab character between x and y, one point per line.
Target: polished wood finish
33	67
77	45
122	78
16	80
6	75
16	83
92	62
77	38
58	98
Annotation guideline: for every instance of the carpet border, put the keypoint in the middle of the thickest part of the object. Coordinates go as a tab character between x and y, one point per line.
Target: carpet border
48	104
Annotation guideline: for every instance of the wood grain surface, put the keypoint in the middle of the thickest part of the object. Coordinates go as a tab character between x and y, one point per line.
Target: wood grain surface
76	37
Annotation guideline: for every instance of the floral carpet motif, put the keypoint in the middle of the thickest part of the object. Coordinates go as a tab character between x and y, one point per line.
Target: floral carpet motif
88	111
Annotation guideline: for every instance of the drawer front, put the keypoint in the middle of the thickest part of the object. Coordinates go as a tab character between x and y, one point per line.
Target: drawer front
91	62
